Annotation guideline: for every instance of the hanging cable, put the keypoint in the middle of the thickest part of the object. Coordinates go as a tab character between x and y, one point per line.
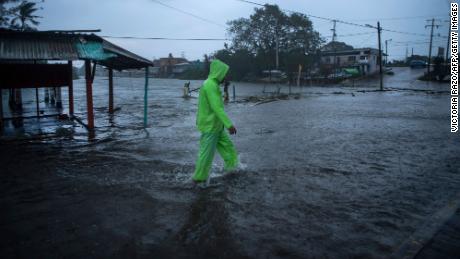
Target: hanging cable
188	13
341	21
163	38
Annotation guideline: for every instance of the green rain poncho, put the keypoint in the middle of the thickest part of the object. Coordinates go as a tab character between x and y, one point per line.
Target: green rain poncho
211	122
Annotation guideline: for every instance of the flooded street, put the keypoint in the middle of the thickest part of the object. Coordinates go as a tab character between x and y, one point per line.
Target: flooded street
332	172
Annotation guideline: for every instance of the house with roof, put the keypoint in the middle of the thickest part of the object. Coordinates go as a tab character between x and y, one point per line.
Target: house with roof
366	60
166	66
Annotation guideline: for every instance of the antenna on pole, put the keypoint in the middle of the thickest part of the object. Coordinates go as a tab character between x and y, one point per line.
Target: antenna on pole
407	52
334	34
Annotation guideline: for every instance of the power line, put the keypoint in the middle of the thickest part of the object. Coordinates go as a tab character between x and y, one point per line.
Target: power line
415	34
416	43
420	43
353	34
409	42
258	4
366	41
164	38
204	39
309	15
188	13
341	21
400	18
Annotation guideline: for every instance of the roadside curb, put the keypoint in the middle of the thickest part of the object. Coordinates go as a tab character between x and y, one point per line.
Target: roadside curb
422	236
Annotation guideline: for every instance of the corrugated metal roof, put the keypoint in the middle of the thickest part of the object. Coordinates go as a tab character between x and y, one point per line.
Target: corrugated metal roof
93	50
27	46
124	58
24	48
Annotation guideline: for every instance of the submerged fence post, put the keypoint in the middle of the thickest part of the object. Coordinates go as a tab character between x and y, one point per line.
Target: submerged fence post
298	75
58	98
110	90
53	95
145	95
37	102
70	95
47	95
234	93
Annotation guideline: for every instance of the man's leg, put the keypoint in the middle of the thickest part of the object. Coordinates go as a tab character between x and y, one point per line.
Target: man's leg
227	151
208	143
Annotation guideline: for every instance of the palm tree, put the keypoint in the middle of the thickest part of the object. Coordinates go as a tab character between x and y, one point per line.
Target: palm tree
24	14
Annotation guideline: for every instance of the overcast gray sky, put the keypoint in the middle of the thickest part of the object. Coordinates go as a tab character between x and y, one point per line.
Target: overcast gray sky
147	18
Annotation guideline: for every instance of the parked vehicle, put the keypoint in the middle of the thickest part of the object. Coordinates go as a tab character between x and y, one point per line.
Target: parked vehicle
418	64
389	71
273	76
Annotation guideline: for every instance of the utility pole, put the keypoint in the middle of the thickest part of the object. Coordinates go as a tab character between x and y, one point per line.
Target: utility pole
379	30
431	43
277	52
277	43
386	50
407	51
334	36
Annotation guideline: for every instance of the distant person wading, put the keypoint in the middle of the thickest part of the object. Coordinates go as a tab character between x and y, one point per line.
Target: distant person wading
212	121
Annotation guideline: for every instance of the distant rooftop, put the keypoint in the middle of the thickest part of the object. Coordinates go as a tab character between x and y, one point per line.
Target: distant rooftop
352	52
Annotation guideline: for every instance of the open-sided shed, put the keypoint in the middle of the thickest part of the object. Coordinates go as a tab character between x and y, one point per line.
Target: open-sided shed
24	56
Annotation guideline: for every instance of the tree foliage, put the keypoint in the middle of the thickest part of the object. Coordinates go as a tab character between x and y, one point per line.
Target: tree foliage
336	46
255	40
21	16
241	62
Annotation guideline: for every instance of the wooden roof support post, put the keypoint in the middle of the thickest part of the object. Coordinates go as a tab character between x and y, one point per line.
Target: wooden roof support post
89	94
37	102
1	110
59	98
145	95
69	63
110	90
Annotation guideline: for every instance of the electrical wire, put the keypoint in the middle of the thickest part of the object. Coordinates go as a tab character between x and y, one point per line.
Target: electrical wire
353	34
415	34
400	18
164	38
258	4
344	22
308	15
188	13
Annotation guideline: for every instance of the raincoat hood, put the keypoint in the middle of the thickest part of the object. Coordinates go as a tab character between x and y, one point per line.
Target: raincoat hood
218	70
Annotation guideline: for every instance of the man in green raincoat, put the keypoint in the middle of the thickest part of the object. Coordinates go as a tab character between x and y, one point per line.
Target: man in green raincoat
212	121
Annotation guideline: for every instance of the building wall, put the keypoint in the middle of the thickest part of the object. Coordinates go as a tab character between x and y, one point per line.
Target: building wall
366	61
166	65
